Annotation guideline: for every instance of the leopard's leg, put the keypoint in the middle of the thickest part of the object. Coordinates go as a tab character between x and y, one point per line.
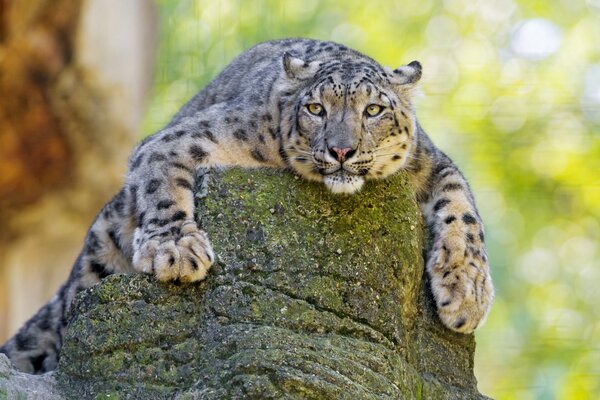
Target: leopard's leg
107	249
149	226
457	262
168	242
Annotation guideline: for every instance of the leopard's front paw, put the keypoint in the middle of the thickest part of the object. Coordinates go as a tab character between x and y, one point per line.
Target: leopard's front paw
186	258
461	284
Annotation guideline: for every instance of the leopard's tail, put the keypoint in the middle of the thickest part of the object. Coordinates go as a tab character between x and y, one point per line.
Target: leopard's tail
36	346
107	250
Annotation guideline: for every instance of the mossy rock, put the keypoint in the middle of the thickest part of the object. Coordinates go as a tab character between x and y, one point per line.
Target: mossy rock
314	296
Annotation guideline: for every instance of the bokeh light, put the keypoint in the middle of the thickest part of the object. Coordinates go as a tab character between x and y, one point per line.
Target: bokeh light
536	39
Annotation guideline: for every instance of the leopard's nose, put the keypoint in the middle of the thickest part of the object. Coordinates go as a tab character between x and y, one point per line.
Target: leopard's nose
341	154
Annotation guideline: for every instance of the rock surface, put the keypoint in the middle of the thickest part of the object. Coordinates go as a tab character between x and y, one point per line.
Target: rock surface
18	385
313	296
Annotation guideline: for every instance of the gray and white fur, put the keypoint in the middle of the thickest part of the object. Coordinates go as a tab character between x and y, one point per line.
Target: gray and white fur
318	109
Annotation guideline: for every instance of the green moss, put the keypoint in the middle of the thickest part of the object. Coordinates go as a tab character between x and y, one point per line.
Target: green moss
313	296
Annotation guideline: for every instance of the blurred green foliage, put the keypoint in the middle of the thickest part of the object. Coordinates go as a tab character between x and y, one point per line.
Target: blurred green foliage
512	94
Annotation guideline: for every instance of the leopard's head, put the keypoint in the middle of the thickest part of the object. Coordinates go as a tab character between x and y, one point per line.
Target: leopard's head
349	120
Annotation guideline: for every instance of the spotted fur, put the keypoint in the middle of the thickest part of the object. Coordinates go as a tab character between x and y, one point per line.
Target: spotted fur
319	109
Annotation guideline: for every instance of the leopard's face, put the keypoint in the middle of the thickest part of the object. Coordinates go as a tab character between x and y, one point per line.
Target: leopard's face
350	128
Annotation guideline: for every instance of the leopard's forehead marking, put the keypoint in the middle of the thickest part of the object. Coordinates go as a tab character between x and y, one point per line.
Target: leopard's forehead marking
345	79
351	82
351	72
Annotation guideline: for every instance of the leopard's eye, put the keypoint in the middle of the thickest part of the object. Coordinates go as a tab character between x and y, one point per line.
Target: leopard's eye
373	110
316	109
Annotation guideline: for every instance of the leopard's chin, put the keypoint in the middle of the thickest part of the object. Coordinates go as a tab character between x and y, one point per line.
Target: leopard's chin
343	183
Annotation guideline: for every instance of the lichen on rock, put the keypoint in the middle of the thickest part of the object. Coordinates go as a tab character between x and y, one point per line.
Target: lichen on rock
313	295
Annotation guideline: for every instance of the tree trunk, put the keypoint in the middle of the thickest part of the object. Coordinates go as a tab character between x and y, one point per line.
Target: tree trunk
313	296
73	75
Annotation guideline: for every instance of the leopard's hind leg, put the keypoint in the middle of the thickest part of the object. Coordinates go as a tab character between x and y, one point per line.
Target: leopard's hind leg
107	249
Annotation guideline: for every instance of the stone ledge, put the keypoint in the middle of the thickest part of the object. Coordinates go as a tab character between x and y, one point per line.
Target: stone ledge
313	296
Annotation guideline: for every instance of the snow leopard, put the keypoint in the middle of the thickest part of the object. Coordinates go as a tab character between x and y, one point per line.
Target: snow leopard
316	108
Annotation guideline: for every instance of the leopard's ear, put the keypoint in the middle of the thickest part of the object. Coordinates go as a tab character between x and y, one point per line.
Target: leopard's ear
297	68
407	75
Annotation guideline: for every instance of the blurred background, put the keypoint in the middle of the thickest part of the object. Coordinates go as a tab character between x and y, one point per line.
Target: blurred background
511	91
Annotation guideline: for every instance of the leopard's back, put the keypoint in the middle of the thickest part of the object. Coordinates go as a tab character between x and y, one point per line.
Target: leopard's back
253	73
